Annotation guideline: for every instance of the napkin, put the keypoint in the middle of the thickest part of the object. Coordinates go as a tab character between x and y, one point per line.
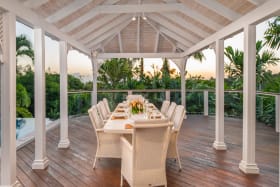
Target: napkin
118	117
128	126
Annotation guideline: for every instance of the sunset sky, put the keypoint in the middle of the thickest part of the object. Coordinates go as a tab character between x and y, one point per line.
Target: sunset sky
80	63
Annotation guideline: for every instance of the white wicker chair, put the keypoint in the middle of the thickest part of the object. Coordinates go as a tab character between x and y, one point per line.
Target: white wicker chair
170	111
177	121
134	97
144	159
108	145
102	111
164	107
106	104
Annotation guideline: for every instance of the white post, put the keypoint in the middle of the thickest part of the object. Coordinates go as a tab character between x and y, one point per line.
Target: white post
8	102
41	161
205	102
64	141
183	81
94	82
219	143
129	92
248	165
167	95
277	113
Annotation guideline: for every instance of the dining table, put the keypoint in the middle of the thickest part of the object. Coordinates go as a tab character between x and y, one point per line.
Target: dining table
122	120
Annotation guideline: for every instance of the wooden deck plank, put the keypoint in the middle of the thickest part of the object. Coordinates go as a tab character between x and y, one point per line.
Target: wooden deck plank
202	165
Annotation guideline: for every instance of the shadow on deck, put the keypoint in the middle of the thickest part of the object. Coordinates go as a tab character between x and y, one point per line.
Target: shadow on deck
202	165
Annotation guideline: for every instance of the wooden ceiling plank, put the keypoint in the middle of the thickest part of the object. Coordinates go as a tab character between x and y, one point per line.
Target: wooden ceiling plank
157	30
138	34
182	22
257	2
108	34
67	10
220	9
105	28
34	3
102	21
110	2
30	18
175	29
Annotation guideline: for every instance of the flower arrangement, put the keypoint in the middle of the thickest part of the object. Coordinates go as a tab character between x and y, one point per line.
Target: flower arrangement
137	106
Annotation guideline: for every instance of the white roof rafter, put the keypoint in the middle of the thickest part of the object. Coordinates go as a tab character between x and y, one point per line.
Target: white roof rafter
219	9
106	28
67	10
34	4
108	34
175	29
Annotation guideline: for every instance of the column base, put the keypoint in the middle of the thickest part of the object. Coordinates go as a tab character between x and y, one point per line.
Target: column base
219	146
249	168
40	164
64	144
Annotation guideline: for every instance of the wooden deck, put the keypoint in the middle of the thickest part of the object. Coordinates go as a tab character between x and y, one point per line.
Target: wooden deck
202	165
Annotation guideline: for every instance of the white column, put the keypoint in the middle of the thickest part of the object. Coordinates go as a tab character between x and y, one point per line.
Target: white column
41	161
94	82
277	113
183	81
64	141
205	102
8	102
219	143
248	165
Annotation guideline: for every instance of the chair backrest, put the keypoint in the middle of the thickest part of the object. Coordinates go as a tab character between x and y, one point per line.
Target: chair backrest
150	138
164	107
178	117
102	110
134	97
95	119
171	110
106	103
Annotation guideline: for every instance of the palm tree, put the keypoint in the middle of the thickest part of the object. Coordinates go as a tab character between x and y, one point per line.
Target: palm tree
272	34
24	47
235	67
115	72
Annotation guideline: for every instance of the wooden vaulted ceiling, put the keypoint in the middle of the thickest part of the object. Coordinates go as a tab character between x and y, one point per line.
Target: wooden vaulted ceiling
171	25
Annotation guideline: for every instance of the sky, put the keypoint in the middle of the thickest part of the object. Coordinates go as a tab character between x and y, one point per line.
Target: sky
80	64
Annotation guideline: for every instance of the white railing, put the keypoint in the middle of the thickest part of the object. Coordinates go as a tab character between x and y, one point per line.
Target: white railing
205	98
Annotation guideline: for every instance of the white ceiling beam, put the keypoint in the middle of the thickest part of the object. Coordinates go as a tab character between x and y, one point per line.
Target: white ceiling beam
104	29
141	8
100	22
183	23
110	2
67	10
86	17
170	1
34	4
138	34
257	2
120	42
32	19
220	9
157	42
138	55
258	15
108	34
199	17
192	38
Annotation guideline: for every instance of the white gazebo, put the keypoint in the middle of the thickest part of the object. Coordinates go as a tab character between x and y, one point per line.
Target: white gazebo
103	29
